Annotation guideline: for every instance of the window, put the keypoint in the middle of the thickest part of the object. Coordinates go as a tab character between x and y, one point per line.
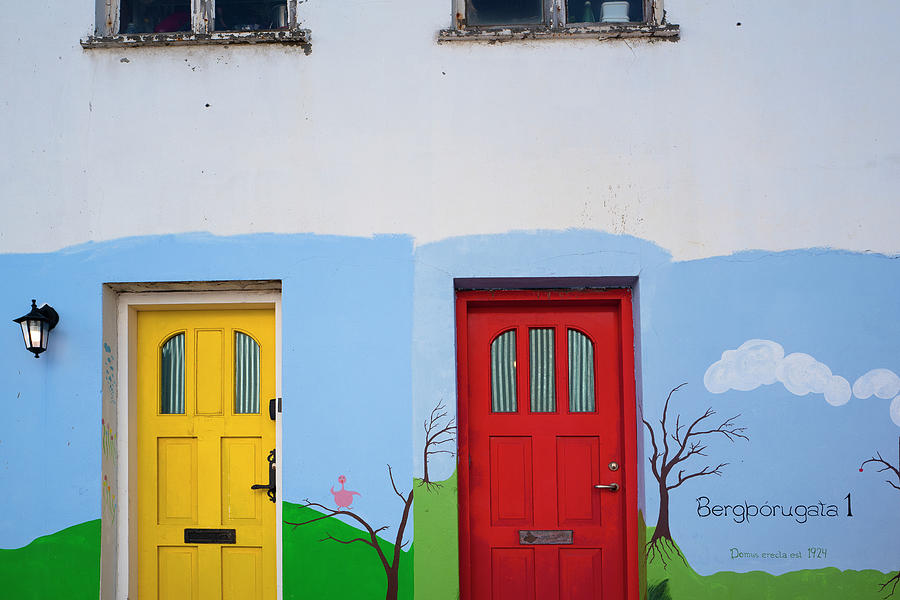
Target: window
493	19
173	22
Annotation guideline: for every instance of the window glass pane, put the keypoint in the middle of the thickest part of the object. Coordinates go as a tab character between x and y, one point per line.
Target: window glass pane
591	11
171	376
581	372
543	378
246	375
155	16
503	373
250	15
503	12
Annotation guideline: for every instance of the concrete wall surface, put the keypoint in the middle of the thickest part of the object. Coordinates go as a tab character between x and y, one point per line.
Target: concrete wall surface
770	125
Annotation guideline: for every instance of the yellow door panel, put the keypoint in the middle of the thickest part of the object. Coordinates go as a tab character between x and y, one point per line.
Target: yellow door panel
209	373
177	460
202	442
241	573
178	572
240	470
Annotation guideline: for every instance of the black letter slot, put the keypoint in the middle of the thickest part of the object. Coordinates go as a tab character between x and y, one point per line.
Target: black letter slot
209	536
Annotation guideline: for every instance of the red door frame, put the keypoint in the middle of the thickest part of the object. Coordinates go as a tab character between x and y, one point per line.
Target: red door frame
622	299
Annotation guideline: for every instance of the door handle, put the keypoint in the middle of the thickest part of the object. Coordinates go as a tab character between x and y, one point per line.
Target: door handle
613	487
271	485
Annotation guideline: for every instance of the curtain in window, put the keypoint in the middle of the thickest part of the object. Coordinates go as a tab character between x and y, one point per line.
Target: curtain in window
246	374
171	377
503	372
543	377
581	372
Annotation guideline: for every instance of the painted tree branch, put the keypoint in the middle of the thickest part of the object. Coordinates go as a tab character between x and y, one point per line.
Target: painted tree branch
391	566
373	533
886	466
895	470
437	434
681	442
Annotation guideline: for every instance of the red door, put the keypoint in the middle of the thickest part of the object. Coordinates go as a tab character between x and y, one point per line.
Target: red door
547	414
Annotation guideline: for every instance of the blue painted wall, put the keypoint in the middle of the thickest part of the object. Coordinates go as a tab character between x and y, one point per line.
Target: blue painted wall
369	349
346	365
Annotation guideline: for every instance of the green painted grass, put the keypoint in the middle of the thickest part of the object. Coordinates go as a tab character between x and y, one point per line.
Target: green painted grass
327	569
437	541
65	564
683	583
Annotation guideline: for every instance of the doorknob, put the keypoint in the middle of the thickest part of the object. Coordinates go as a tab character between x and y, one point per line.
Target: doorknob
613	487
271	485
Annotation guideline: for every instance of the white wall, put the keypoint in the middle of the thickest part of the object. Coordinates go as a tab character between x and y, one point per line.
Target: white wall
779	133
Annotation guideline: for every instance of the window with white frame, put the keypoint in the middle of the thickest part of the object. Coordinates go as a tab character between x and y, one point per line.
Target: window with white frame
560	16
171	21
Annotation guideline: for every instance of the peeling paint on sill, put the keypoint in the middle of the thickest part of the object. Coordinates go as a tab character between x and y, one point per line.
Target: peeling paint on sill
663	32
295	37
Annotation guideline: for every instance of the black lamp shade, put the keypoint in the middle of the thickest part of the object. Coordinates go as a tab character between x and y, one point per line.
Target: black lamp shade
36	326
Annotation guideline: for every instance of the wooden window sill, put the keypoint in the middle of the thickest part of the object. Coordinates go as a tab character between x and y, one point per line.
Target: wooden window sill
599	32
298	37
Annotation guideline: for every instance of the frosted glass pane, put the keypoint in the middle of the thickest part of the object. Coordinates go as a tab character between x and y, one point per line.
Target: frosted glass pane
171	376
246	375
543	376
581	372
503	372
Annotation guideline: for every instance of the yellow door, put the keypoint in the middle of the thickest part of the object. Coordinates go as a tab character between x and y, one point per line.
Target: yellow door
204	378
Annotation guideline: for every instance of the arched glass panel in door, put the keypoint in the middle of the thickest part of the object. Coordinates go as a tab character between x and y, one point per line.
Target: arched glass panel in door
503	373
171	376
246	375
581	372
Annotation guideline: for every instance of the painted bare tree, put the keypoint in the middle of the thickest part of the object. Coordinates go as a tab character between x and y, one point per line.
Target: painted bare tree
391	563
893	471
673	445
438	432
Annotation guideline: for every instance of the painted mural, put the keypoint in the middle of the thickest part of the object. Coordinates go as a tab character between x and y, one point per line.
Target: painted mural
390	561
675	443
790	362
753	364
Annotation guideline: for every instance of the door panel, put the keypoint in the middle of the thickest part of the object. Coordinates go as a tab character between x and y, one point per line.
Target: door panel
576	468
241	573
199	452
581	574
210	362
177	460
511	484
240	470
178	577
513	573
563	365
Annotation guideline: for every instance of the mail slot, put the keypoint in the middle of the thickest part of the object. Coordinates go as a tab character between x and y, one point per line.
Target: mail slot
545	537
209	536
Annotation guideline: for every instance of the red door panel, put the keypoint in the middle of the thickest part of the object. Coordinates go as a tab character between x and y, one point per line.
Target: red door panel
577	469
512	573
533	469
511	481
581	574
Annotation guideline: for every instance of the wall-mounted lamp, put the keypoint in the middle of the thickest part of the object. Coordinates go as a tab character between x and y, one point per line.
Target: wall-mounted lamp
36	326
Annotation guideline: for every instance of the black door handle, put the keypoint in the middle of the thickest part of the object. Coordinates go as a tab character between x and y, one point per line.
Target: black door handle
271	485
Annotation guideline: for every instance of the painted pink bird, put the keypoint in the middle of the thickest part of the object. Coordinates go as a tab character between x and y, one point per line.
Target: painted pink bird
343	498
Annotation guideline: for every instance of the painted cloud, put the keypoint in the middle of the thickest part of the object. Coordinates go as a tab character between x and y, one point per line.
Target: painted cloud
750	366
762	362
884	383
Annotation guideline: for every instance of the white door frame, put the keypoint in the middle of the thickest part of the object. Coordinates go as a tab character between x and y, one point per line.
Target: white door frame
126	311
